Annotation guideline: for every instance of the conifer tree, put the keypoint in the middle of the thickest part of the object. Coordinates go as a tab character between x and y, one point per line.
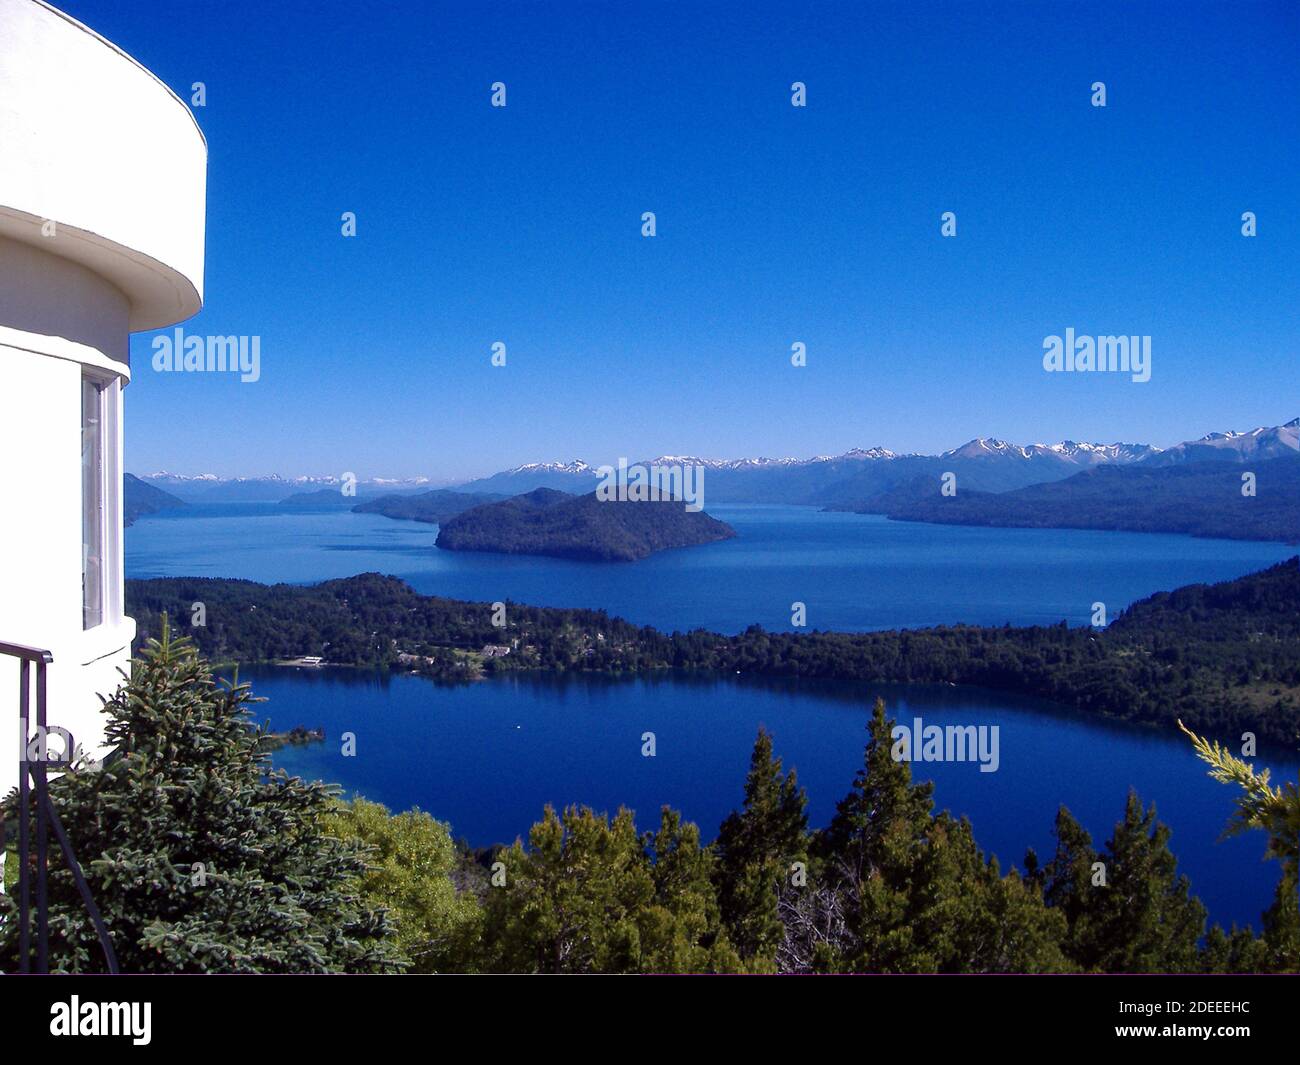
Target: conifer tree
1132	912
589	895
884	814
1238	951
200	858
757	847
568	903
918	894
1281	939
1146	920
682	928
1067	881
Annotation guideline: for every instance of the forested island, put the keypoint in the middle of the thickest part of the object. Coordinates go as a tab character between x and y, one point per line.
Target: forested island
1199	499
1225	658
549	522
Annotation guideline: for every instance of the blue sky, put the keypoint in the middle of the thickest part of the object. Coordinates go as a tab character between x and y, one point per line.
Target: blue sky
775	224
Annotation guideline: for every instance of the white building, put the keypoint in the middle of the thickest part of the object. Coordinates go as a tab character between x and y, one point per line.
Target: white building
102	187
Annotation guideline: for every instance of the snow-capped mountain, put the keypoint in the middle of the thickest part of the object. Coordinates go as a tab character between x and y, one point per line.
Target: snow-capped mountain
209	488
577	466
1080	454
764	463
1095	454
717	464
164	477
869	453
989	464
1255	445
986	464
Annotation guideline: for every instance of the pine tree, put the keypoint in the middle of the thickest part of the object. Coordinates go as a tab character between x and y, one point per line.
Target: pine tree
681	930
917	894
884	813
1127	909
589	895
1281	939
756	848
200	858
570	901
1237	951
1067	883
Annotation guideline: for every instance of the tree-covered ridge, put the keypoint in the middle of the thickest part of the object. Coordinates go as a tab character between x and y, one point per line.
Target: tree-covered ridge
374	620
1200	499
1224	658
547	522
140	498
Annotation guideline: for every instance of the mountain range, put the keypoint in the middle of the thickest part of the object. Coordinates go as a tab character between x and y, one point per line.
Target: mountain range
983	464
855	477
1253	446
209	488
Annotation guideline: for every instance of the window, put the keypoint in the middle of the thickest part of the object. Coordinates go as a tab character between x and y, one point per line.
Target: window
94	443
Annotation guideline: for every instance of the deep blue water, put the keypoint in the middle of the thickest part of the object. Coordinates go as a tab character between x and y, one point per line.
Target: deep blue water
486	757
854	572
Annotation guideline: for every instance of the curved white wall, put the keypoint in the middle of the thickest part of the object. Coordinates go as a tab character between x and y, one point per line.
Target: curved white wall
38	313
93	143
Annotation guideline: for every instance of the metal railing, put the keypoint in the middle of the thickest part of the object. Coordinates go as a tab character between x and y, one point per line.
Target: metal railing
34	786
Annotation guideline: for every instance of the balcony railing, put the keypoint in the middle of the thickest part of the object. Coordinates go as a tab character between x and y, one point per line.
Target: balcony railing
34	762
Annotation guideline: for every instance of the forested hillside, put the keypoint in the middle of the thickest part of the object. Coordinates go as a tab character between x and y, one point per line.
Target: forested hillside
1199	499
140	498
1224	658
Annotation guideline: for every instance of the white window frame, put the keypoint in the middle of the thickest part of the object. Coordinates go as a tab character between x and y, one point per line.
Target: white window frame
110	502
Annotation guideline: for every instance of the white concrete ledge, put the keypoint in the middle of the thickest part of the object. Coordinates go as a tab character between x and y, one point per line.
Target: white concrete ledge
93	142
52	305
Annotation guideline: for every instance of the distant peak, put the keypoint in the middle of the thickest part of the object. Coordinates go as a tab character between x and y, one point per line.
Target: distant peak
161	475
573	466
982	445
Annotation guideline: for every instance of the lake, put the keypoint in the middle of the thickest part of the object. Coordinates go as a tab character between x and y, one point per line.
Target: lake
853	571
486	756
